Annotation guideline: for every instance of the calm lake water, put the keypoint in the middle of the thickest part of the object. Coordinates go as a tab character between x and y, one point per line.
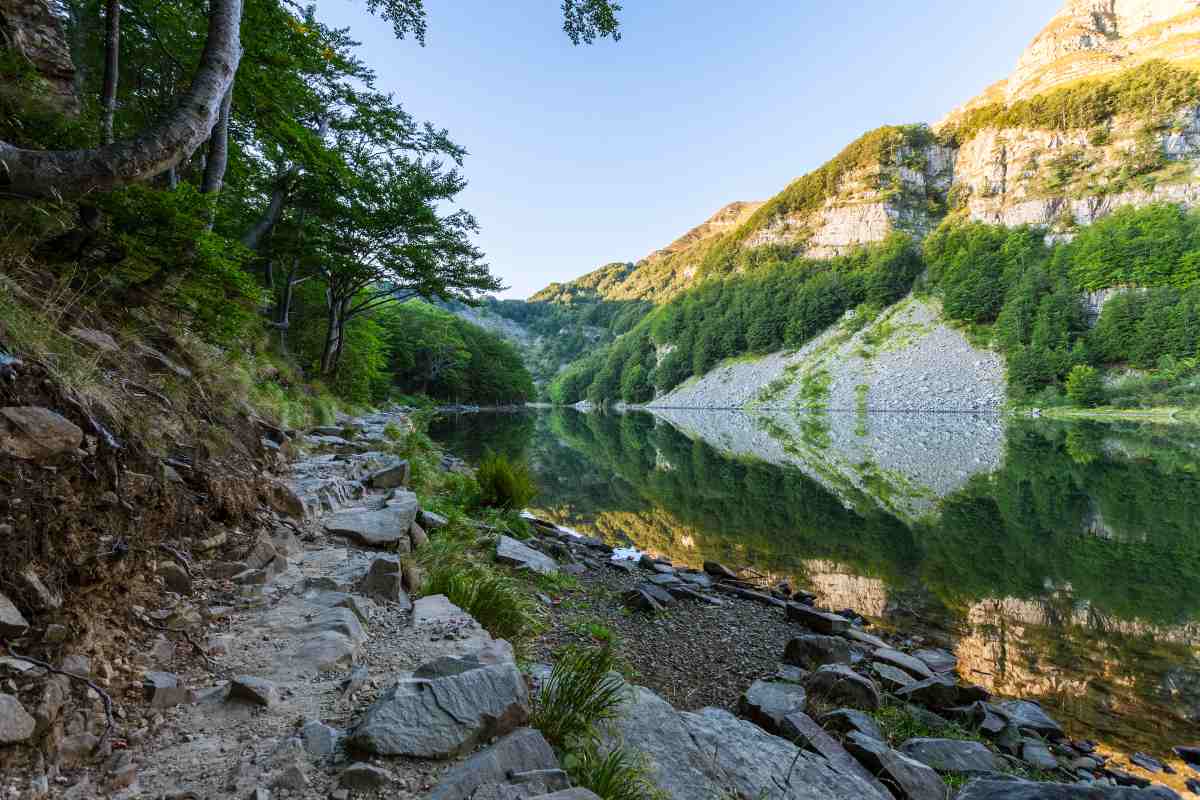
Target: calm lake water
1060	561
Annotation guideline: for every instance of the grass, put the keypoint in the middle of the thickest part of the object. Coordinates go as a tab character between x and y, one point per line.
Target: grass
615	775
505	484
597	631
582	691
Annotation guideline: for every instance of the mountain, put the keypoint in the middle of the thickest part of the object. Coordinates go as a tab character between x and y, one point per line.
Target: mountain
1096	115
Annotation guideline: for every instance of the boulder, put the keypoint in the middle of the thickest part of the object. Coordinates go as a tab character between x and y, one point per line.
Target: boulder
988	789
862	637
952	755
382	528
12	624
696	579
37	593
1030	716
510	551
813	650
940	661
162	690
906	778
913	666
256	690
16	725
33	433
444	717
319	739
893	679
719	571
262	553
801	730
849	720
713	754
418	536
1038	756
842	685
364	777
384	582
390	477
522	750
766	703
431	521
819	621
940	691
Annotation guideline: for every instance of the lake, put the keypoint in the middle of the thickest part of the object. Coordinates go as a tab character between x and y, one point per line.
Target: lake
1060	561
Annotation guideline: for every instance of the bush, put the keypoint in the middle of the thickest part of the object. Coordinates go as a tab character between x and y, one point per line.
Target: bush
1085	386
582	691
505	484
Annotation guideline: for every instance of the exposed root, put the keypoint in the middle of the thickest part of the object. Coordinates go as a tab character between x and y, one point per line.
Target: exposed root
108	704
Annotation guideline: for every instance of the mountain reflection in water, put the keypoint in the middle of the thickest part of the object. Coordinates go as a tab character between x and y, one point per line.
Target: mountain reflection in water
1061	561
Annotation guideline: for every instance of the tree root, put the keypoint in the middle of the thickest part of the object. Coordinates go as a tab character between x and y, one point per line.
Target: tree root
108	704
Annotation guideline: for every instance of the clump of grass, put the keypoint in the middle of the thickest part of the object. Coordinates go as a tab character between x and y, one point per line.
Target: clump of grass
899	725
614	775
582	692
499	603
597	631
505	484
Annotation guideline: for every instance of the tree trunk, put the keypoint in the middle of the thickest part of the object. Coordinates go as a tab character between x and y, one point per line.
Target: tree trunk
284	322
253	237
112	58
218	149
333	326
52	173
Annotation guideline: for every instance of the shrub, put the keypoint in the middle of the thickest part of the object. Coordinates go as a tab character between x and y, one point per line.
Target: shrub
505	484
1085	386
496	601
581	692
615	775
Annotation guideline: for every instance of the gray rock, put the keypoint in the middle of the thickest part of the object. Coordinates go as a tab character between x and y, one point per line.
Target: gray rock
261	554
1030	716
385	527
364	777
12	624
510	551
940	661
862	637
766	703
1038	756
893	679
849	720
952	755
813	650
553	780
521	751
37	593
175	577
390	477
801	730
447	666
819	621
33	433
447	716
256	690
575	793
711	753
913	666
431	521
697	579
384	582
842	685
162	690
663	580
988	789
907	778
719	571
940	691
16	725
319	739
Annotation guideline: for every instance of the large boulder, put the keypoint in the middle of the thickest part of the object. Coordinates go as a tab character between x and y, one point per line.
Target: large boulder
392	476
907	778
510	551
940	691
849	720
804	732
952	755
384	582
33	433
913	666
13	624
382	528
985	789
447	716
15	723
766	703
813	650
841	685
523	750
1030	716
712	753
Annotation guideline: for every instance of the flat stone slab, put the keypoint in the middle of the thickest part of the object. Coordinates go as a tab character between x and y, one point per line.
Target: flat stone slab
913	666
906	777
384	527
819	621
511	551
766	703
1031	716
952	755
447	716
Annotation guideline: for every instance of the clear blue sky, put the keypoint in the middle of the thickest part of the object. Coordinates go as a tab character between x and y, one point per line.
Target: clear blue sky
585	155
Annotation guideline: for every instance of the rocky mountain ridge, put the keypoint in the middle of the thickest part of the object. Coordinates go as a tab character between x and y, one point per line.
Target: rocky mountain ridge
910	178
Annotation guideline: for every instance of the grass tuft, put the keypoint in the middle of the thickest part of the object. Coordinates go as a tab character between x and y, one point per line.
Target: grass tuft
583	690
615	775
505	484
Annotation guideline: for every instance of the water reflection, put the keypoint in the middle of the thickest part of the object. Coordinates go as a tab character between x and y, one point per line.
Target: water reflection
1063	560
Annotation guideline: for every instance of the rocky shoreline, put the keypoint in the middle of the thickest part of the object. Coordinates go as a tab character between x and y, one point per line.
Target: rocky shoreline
296	663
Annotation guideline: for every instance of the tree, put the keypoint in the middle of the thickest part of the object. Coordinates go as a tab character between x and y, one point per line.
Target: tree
1085	387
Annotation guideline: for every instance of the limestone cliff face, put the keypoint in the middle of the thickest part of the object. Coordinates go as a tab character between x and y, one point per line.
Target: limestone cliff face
1091	37
725	220
31	29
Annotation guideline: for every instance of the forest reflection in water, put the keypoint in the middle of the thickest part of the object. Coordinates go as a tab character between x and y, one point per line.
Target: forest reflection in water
1062	561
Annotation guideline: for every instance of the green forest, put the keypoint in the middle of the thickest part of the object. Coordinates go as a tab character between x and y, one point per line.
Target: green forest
1006	286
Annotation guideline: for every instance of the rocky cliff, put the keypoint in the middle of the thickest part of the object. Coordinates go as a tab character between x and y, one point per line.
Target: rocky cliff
1003	157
